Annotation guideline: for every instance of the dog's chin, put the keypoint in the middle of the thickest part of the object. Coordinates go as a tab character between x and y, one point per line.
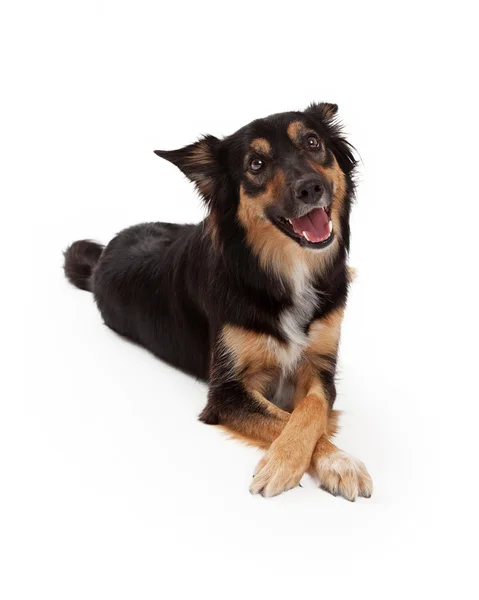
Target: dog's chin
313	230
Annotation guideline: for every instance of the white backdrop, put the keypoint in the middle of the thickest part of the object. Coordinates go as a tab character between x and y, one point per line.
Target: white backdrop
110	486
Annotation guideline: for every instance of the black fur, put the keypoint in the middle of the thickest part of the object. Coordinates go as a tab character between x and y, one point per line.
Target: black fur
80	260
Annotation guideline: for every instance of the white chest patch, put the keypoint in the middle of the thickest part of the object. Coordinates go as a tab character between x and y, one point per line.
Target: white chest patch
294	320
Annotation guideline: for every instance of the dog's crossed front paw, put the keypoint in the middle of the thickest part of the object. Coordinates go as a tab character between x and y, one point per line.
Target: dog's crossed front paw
343	475
279	470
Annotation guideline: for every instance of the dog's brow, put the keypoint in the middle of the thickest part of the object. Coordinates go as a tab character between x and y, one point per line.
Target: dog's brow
295	129
261	145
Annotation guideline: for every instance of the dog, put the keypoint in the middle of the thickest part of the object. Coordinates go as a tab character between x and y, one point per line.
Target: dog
251	299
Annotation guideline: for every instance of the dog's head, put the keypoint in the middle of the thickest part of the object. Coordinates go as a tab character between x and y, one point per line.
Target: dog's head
291	172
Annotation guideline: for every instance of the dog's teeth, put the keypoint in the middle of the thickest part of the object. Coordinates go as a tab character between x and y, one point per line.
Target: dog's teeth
305	235
330	227
289	221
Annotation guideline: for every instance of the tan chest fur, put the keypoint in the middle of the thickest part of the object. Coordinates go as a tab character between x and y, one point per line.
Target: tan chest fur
259	358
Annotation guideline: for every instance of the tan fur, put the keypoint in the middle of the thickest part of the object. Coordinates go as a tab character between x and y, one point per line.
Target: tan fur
338	472
291	442
324	335
333	423
274	189
352	274
292	448
261	145
275	250
298	443
256	441
305	378
328	110
259	430
200	157
289	456
337	179
255	355
295	130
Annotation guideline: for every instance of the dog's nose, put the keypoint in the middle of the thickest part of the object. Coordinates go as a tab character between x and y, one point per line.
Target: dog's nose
309	190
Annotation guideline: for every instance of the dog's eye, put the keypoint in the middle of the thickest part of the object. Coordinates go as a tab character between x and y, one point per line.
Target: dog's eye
256	164
312	141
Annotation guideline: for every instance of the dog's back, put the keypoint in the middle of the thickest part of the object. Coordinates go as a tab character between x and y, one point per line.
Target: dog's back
140	283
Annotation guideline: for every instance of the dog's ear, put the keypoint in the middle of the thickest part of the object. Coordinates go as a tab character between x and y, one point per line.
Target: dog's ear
326	114
199	162
324	111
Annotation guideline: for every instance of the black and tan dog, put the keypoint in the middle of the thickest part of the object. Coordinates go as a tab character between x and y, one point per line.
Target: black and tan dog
251	299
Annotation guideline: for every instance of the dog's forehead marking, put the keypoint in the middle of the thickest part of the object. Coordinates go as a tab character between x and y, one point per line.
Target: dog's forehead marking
295	130
261	144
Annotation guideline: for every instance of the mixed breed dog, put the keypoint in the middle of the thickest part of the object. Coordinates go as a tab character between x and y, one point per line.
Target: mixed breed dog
251	299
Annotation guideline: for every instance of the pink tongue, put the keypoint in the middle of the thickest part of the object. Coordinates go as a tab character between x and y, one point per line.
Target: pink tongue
315	224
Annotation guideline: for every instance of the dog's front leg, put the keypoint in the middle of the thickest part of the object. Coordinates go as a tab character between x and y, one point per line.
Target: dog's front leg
290	438
339	473
243	364
289	456
294	447
333	470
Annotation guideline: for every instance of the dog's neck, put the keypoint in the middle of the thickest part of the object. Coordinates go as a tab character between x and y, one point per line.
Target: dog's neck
263	258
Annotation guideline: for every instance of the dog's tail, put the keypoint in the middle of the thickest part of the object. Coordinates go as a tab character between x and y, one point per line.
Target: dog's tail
80	261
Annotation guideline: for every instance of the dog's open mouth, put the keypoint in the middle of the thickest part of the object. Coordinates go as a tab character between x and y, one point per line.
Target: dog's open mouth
312	230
